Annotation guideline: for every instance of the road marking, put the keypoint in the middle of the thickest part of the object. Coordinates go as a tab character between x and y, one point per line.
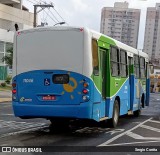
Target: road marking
122	134
22	131
154	121
136	136
19	125
136	122
150	128
133	143
7	114
115	131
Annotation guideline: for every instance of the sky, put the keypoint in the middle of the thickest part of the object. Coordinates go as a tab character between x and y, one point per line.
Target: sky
87	13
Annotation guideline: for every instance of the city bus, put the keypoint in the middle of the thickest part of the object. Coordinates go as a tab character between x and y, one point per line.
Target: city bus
74	73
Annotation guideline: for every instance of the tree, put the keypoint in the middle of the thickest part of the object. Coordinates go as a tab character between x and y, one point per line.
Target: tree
8	58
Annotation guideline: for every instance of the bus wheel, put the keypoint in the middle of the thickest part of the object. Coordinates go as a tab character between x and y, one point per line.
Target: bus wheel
115	117
137	113
142	101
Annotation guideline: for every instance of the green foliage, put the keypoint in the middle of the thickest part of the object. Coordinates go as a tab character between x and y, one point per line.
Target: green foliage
9	57
8	79
3	84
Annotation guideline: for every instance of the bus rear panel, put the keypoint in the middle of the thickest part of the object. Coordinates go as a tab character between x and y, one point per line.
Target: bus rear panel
48	75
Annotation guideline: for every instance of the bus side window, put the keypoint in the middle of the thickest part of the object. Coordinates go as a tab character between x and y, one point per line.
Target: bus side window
95	61
114	56
142	67
123	63
136	66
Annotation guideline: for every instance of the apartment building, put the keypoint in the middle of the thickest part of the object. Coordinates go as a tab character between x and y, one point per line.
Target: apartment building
152	33
11	12
121	23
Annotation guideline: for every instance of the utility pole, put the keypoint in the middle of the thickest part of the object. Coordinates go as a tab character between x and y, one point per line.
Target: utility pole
43	6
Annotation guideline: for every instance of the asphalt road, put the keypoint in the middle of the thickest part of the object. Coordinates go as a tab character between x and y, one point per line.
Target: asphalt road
141	132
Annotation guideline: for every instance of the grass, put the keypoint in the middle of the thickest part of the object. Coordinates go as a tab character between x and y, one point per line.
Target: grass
5	88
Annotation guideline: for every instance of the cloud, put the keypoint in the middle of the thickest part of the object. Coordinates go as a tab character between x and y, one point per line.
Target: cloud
88	12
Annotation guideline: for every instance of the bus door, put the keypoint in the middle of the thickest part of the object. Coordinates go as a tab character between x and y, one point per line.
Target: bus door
136	84
99	77
103	79
131	81
103	66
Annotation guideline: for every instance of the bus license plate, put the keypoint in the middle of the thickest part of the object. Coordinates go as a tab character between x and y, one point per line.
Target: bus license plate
46	98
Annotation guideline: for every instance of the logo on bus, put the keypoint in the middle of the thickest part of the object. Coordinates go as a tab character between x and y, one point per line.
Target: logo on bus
22	99
70	87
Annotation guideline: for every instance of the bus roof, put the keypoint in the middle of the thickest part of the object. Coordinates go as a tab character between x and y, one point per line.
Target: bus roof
121	45
50	28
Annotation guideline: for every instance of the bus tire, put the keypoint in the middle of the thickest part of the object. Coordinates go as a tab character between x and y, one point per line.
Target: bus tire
137	113
115	116
142	101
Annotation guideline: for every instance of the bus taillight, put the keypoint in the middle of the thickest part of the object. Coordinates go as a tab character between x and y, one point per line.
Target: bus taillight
14	85
14	91
85	91
85	84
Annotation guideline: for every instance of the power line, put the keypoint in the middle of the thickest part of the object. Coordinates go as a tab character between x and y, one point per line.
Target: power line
48	9
44	17
55	11
49	16
43	2
53	15
59	14
43	6
43	10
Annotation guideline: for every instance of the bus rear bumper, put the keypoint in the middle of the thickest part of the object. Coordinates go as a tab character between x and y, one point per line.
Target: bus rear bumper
82	111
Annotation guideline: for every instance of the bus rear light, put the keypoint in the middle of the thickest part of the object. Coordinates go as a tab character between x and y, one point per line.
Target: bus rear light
81	29
85	98
14	97
18	33
85	84
14	91
14	85
85	91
